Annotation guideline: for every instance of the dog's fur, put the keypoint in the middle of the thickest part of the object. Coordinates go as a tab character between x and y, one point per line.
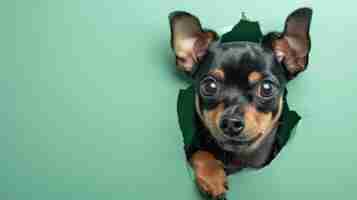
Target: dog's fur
239	92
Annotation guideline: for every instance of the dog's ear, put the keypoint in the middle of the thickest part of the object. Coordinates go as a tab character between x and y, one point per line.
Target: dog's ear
188	40
292	47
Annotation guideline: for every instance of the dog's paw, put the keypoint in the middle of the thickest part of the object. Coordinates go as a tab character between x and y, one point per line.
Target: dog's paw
212	180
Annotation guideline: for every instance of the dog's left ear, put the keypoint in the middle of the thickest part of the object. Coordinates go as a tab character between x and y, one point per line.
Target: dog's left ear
292	48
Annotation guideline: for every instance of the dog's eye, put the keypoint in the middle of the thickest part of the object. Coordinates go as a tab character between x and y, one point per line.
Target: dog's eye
209	87
266	89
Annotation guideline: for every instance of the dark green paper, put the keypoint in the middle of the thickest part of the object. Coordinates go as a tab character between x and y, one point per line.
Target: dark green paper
244	31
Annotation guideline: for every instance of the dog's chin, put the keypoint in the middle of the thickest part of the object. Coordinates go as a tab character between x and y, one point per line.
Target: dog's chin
227	146
240	144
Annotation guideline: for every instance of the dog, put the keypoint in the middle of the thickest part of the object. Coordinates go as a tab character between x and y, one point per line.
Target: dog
239	88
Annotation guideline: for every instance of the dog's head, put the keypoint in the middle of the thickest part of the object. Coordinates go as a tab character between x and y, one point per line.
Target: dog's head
240	85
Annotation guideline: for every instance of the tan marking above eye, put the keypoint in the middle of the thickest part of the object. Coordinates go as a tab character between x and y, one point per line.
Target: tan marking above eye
218	73
255	76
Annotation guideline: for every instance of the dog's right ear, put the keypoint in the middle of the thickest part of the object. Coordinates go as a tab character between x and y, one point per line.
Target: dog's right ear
188	40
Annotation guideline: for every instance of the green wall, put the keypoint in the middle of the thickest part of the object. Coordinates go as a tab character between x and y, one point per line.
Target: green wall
88	102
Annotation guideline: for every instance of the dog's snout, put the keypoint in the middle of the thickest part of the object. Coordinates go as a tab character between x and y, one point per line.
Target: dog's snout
231	126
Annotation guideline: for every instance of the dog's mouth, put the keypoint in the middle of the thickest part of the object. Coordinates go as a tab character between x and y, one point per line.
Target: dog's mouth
243	141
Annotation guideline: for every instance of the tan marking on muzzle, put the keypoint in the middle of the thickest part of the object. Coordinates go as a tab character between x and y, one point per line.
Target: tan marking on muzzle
260	123
212	117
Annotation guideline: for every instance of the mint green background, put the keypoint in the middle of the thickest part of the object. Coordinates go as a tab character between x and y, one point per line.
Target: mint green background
88	102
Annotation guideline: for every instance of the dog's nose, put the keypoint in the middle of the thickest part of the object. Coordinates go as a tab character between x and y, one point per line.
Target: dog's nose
232	126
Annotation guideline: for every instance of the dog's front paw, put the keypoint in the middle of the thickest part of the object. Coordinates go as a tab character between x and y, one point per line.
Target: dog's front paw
212	180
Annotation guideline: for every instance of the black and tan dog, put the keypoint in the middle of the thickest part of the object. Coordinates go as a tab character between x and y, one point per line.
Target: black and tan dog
239	92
